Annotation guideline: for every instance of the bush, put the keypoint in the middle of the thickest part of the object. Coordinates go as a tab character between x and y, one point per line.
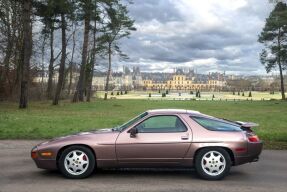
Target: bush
163	94
233	93
118	93
122	93
126	92
149	95
112	93
191	92
213	96
166	92
250	95
242	94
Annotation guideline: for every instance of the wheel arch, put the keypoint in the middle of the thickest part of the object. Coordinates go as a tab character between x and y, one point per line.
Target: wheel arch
228	150
60	151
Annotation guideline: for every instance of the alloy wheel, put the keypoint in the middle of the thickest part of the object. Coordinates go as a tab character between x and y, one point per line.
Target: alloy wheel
76	162
213	163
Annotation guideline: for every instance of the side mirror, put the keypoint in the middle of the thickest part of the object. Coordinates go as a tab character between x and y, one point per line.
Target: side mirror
133	132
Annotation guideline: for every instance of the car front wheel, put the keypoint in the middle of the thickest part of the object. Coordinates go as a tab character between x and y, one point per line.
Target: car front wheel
212	163
77	162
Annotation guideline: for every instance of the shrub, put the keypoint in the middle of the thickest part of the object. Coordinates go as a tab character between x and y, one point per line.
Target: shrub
163	94
250	95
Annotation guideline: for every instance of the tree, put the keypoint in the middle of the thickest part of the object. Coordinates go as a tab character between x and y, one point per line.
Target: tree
86	8
26	53
274	38
48	12
65	9
11	38
119	26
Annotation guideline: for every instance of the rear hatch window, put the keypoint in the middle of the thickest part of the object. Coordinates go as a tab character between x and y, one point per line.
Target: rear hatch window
214	124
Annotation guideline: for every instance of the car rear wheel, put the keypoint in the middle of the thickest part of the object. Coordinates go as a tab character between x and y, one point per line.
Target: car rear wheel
77	162
212	163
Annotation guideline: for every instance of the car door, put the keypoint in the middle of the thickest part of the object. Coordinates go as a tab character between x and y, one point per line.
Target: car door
161	140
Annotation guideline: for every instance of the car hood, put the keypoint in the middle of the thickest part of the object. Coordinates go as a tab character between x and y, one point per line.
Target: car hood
108	134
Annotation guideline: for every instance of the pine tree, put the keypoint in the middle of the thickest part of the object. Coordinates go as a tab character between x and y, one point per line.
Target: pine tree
274	38
119	26
26	52
65	10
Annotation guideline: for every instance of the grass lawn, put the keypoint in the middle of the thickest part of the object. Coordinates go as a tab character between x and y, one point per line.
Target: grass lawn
174	95
42	120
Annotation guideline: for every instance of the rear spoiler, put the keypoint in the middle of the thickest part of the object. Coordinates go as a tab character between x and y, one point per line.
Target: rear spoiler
246	124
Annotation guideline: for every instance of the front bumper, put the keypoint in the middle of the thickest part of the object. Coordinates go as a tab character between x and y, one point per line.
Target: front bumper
43	162
254	150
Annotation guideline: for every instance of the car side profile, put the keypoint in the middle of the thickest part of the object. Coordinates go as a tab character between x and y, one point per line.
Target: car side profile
155	138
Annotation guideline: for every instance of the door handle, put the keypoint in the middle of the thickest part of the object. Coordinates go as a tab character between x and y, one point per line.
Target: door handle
184	137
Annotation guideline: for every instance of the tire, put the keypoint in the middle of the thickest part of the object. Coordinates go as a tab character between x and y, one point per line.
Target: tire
212	163
77	162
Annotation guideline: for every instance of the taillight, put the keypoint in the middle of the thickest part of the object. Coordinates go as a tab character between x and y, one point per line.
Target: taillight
253	138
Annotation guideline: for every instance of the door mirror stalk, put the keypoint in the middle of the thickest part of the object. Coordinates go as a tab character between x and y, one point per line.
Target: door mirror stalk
133	132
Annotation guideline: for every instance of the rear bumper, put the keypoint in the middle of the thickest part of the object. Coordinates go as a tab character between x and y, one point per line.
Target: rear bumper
254	150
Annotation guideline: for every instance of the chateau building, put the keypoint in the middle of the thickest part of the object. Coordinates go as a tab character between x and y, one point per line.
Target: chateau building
182	80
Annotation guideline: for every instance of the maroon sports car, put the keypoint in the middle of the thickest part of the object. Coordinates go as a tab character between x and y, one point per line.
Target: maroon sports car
155	138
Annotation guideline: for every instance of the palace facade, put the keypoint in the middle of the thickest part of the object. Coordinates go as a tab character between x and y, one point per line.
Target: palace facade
180	79
187	80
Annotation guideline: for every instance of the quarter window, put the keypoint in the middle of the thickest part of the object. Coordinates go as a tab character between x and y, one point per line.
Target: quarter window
161	124
216	125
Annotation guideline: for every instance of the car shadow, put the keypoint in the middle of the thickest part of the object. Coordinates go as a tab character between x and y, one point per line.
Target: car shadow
151	173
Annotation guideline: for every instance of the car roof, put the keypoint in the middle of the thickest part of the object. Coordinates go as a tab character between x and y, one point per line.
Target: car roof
172	111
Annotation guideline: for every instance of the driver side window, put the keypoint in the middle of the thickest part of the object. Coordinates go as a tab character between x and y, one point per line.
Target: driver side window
161	124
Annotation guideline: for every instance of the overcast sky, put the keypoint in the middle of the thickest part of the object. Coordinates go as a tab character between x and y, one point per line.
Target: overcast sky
207	35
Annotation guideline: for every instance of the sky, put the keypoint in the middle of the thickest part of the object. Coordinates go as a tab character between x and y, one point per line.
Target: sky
206	35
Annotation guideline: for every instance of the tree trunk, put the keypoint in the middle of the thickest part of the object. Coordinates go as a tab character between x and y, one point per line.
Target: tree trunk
51	65
93	60
109	72
79	94
62	63
281	81
280	65
26	54
72	63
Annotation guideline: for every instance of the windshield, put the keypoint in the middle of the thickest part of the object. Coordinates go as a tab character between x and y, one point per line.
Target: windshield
132	121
